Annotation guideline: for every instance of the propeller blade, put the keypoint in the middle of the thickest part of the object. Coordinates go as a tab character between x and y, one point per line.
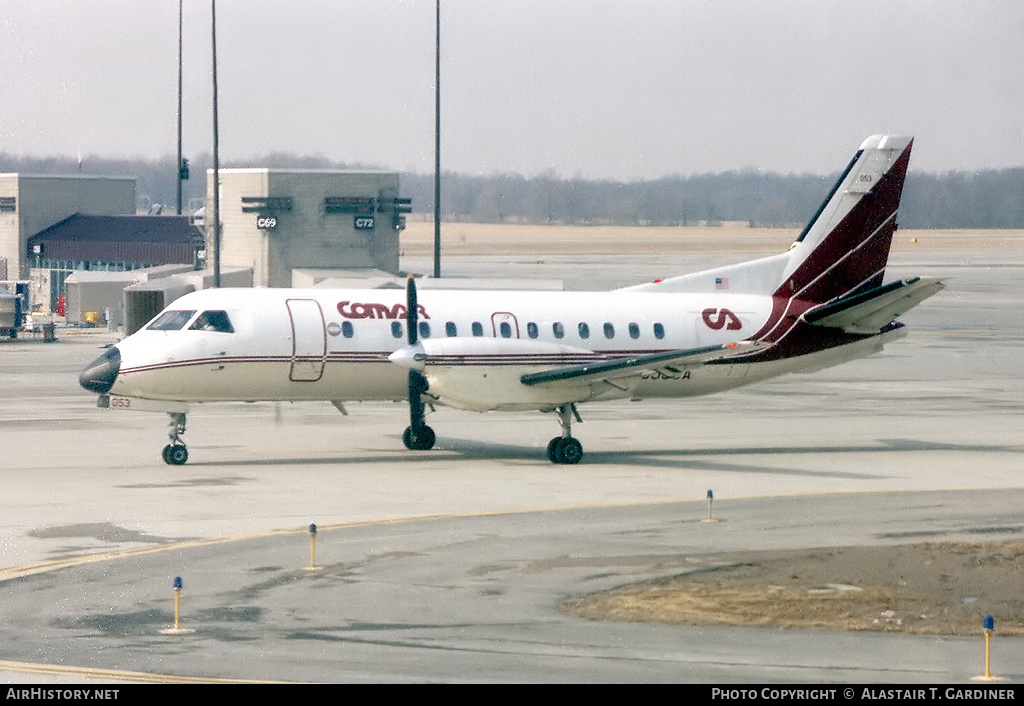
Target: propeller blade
415	379
417	385
418	435
411	310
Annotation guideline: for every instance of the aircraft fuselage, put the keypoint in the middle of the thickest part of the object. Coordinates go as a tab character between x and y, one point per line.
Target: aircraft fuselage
335	344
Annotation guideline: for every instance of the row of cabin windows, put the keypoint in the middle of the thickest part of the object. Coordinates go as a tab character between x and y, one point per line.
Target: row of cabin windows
505	329
219	321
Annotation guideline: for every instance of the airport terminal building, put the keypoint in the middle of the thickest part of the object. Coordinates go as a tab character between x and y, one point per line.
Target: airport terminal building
30	204
276	225
277	221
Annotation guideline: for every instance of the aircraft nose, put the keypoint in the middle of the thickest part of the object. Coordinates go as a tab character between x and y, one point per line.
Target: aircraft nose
99	375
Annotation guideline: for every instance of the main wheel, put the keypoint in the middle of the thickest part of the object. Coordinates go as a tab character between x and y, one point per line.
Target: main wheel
565	450
175	454
553	449
420	440
570	451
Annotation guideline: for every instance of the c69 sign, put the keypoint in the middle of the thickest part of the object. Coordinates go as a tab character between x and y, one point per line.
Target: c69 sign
266	222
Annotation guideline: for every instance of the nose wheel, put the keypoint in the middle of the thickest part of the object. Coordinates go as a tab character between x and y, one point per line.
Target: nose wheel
176	453
565	449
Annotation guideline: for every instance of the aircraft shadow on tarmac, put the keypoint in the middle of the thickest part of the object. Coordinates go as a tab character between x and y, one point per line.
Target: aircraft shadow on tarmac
455	449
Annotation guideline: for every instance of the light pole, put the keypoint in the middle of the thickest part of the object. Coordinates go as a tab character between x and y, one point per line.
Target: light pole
216	155
179	164
437	141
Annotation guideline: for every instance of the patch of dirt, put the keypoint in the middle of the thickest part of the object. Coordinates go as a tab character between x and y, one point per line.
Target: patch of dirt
936	588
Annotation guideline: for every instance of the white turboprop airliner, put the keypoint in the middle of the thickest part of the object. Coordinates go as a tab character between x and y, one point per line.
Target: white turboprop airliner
820	304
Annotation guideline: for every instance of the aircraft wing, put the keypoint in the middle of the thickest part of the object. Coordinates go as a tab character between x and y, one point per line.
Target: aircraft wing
868	312
635	365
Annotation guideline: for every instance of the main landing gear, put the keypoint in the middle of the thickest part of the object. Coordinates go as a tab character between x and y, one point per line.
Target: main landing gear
176	453
419	439
565	449
417	436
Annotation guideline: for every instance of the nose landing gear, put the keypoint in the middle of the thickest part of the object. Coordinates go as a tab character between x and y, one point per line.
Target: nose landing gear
176	453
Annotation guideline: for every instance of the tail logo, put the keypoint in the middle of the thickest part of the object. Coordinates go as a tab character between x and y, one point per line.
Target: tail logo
717	319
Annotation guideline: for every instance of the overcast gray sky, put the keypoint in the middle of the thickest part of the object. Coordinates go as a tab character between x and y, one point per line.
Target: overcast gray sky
618	89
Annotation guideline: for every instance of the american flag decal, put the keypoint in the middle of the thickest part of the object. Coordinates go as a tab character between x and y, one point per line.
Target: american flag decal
721	282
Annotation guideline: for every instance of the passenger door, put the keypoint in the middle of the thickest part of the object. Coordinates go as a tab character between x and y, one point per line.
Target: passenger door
309	340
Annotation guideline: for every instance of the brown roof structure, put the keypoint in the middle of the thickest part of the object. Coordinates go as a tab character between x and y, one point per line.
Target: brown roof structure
128	240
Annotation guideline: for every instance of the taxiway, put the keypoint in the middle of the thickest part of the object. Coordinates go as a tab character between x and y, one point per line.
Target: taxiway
449	565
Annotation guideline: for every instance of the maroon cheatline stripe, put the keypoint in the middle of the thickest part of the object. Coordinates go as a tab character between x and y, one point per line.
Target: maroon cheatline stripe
382	357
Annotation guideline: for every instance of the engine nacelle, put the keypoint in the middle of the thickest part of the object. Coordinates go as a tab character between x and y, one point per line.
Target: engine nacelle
483	374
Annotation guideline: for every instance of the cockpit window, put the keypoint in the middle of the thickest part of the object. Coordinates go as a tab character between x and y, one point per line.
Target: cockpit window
213	321
171	320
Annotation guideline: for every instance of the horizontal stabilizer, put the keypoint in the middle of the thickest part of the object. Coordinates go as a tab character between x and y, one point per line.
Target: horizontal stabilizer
635	365
868	312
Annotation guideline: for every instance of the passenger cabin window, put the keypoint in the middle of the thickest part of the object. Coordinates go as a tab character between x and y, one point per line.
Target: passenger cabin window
213	321
532	330
424	329
558	329
609	330
634	331
478	328
396	329
505	329
450	329
659	331
171	320
346	329
584	330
